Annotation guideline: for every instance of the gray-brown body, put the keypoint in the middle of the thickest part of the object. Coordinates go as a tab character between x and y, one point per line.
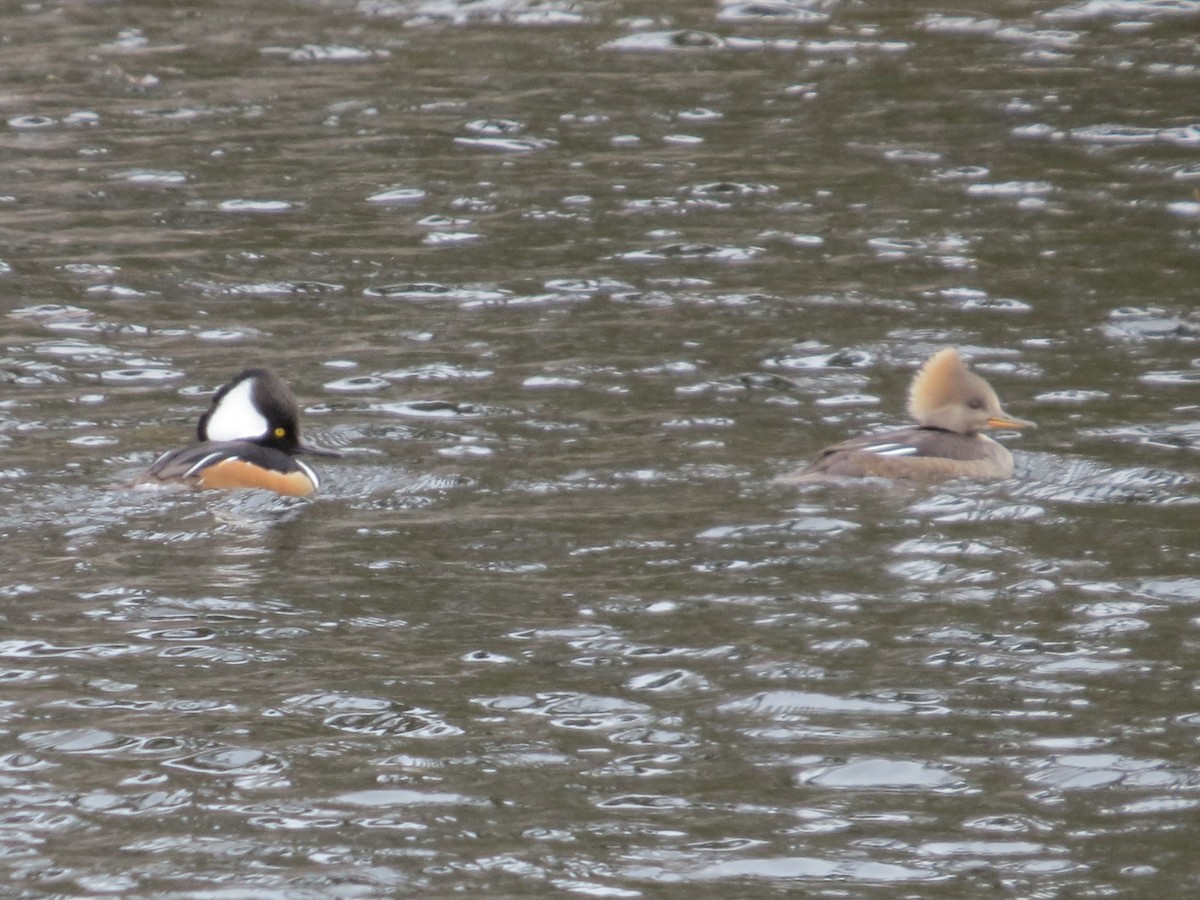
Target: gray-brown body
924	454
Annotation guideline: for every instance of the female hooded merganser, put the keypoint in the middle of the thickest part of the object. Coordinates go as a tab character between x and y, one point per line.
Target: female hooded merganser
951	405
248	438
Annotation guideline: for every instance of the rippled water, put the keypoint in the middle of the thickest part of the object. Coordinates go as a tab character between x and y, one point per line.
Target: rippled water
570	284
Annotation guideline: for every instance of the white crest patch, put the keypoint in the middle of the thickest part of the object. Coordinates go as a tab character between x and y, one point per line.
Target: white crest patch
236	418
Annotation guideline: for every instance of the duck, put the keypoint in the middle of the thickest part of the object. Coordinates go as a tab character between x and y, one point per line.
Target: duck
951	405
248	438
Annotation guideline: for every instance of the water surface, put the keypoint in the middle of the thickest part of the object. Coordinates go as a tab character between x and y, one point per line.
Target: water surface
569	285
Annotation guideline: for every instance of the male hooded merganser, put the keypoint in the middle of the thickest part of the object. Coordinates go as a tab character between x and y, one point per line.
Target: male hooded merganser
951	405
248	438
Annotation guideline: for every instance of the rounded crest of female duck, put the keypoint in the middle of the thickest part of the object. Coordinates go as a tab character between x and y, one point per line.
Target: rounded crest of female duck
946	394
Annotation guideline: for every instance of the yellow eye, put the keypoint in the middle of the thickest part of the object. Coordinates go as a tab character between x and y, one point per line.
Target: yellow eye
280	432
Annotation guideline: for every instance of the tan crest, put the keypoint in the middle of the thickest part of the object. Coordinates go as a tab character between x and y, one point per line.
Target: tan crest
938	382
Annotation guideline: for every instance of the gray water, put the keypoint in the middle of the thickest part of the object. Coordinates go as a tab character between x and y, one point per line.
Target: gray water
570	284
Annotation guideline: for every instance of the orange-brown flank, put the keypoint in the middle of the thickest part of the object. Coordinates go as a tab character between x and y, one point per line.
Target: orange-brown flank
234	473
